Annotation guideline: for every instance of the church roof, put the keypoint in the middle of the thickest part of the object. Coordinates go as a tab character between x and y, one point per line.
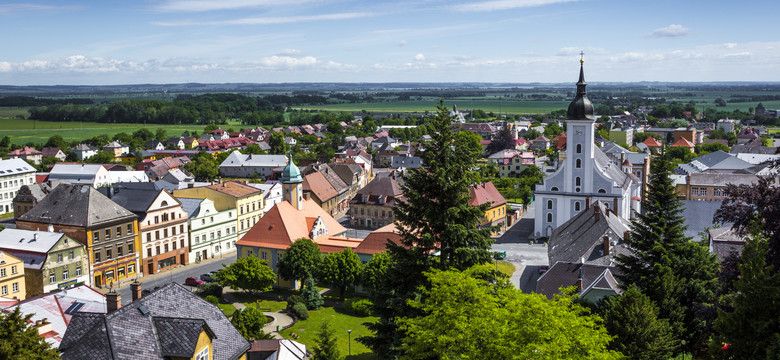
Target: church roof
291	173
582	236
581	108
612	171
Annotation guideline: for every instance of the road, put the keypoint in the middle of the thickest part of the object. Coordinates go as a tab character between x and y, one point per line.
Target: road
521	252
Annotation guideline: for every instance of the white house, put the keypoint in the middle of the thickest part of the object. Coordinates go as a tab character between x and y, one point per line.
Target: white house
587	174
81	174
212	233
14	173
84	151
272	193
247	165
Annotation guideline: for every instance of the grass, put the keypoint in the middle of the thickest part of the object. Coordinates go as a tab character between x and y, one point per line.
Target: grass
506	268
227	309
488	105
340	321
267	305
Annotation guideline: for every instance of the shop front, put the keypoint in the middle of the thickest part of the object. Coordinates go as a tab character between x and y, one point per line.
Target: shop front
114	271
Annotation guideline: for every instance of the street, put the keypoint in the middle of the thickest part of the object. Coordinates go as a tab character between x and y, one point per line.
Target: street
526	257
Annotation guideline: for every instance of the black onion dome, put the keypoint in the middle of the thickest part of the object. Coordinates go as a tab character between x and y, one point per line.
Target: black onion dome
581	108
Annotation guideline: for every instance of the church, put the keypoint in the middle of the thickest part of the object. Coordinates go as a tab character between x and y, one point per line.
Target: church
586	175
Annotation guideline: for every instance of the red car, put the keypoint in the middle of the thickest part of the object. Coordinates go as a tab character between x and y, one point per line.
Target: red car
193	281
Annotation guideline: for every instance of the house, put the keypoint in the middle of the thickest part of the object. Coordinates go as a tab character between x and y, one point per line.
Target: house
294	218
189	142
109	231
94	175
725	242
179	177
406	161
12	280
54	152
376	242
251	165
117	149
276	350
386	141
592	282
52	261
342	199
372	206
586	175
727	125
162	226
711	186
541	143
84	151
14	174
177	143
220	134
154	326
211	232
30	195
272	193
206	138
594	236
683	142
747	135
495	215
247	201
52	312
352	175
650	144
154	145
484	130
714	162
322	192
27	153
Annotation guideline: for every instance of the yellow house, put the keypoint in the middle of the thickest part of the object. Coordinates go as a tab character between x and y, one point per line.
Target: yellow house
487	193
12	277
247	200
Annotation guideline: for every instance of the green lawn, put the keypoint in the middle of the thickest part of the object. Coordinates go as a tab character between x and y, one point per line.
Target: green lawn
267	305
506	268
488	105
227	309
341	322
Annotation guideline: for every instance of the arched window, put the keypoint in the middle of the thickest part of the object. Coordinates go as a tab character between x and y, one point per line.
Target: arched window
602	191
579	148
554	188
164	203
577	181
579	163
549	204
549	217
577	206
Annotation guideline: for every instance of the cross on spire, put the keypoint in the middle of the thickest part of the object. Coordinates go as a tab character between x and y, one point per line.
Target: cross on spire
582	55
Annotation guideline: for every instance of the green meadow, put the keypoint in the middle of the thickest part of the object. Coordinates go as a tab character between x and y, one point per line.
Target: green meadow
524	107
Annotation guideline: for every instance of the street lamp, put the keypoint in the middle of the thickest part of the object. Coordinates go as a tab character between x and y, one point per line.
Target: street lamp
349	334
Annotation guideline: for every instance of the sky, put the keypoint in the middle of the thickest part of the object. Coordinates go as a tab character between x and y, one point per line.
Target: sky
108	42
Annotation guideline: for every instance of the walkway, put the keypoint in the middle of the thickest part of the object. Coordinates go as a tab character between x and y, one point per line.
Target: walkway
280	319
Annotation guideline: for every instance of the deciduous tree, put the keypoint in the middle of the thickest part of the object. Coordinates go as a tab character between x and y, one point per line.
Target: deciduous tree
340	269
300	260
248	274
249	322
203	166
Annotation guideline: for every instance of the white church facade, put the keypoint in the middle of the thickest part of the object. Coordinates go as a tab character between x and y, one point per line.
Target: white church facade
586	175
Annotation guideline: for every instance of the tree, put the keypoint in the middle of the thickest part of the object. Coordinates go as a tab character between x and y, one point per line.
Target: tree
248	274
249	322
19	340
552	130
102	157
503	140
470	318
56	141
751	326
531	134
340	269
276	142
209	128
471	142
374	271
300	260
326	348
143	135
5	142
313	298
161	135
678	275
633	320
203	166
438	227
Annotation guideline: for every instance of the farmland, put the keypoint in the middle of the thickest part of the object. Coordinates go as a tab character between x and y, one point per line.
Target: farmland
521	107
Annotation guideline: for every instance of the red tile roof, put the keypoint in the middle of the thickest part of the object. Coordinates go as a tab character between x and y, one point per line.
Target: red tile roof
319	185
683	142
25	151
234	188
651	142
485	194
376	241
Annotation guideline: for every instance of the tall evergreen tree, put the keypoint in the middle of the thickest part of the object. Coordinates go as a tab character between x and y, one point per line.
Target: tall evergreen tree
20	340
439	230
313	298
633	320
678	275
326	348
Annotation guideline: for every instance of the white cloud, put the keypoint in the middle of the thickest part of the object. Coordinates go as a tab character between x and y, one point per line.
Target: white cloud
8	9
493	5
402	43
268	20
674	30
419	57
572	51
212	5
289	52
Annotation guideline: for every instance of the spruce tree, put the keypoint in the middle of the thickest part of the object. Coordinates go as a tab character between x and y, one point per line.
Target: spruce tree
20	340
438	226
326	348
313	298
633	320
678	275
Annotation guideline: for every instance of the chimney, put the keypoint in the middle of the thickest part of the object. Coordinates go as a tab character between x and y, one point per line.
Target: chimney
626	235
35	237
43	326
587	203
50	228
190	185
606	245
596	214
135	290
579	279
113	301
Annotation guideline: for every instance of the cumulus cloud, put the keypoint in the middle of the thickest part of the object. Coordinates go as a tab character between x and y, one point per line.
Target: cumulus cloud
674	30
494	5
268	20
419	57
289	52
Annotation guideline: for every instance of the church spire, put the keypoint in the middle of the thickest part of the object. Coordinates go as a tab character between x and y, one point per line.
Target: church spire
581	108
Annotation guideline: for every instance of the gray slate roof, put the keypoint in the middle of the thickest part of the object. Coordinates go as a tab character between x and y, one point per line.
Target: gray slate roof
698	216
135	200
77	205
565	274
191	206
583	237
174	320
612	170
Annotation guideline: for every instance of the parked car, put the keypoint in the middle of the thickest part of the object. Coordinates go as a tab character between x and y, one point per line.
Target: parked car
543	269
193	281
207	278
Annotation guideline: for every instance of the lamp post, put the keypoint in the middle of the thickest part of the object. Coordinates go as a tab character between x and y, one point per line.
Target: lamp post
349	334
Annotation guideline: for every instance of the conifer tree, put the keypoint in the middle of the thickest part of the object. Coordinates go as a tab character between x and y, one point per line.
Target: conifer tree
326	348
20	340
313	298
633	320
678	275
439	229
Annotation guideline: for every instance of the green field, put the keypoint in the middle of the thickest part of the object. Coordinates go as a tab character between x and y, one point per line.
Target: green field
24	131
524	107
340	322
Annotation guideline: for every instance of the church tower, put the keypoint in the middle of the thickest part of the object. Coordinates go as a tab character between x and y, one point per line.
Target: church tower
579	139
292	188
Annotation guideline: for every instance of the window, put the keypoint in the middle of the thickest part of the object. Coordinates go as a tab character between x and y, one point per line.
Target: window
148	252
181	229
577	206
579	148
78	271
695	191
156	219
118	231
13	269
52	278
264	255
97	255
70	255
174	245
157	235
549	217
578	164
197	239
2	272
119	251
65	274
109	274
549	204
157	248
16	287
203	354
577	181
219	233
131	269
120	271
108	254
59	257
129	229
703	191
165	232
211	235
166	248
148	237
130	248
203	221
4	290
96	236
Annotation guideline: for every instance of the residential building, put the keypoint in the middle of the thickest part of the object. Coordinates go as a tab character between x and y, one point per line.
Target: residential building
94	175
117	149
352	175
84	151
672	135
109	231
725	242
541	143
343	198
53	311
272	193
372	206
685	143
711	186
251	165
52	261
714	162
30	195
484	130
323	193
14	174
169	323
650	144
289	220
212	233
585	176
247	201
12	281
276	349
54	152
727	125
495	215
592	282
162	226
27	153
594	236
177	143
406	161
154	145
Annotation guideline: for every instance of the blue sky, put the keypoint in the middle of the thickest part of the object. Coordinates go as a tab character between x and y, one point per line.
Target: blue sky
221	41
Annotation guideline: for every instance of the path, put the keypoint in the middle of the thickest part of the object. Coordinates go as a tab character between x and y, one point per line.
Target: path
280	319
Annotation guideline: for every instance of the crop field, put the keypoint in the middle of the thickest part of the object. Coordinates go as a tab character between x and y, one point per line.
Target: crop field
24	131
503	106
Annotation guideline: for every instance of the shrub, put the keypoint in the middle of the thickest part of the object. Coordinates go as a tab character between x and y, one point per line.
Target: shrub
212	299
300	311
210	289
294	299
359	307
